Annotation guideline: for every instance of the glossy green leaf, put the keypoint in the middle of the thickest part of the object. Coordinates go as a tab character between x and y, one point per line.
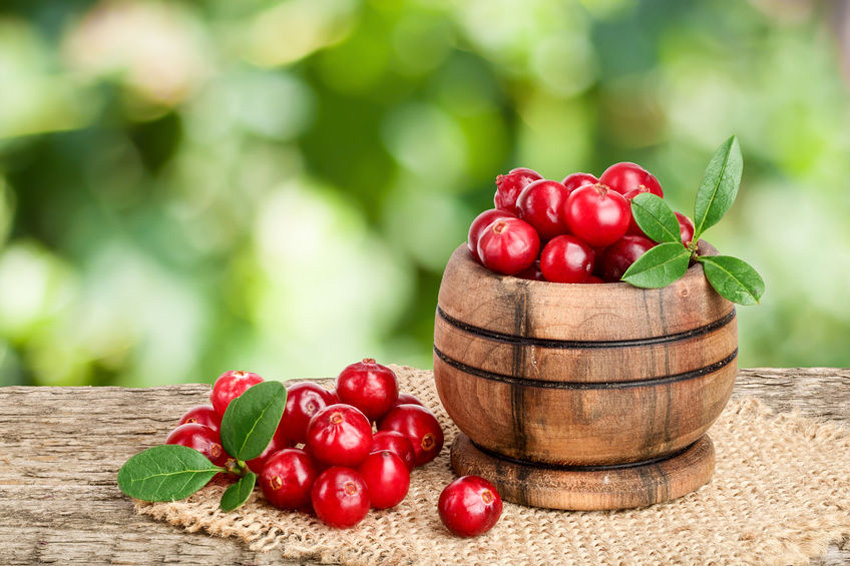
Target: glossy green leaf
659	266
165	473
719	186
655	218
733	278
238	493
250	421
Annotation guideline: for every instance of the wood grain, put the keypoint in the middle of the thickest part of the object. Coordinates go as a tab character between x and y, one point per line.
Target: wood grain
581	375
60	449
589	490
603	364
583	427
520	307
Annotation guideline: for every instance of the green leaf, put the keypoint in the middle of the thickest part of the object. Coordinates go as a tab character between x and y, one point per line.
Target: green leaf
251	419
733	278
719	186
655	218
659	266
166	473
238	493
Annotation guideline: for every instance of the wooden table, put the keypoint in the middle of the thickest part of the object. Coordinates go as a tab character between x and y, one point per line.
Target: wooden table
60	449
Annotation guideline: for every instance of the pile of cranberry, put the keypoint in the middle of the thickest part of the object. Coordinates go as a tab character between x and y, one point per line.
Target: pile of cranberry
325	457
579	230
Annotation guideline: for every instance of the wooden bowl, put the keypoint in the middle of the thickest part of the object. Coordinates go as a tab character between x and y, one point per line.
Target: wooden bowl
579	378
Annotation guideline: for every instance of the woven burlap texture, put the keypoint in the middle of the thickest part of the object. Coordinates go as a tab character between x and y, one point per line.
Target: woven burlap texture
780	495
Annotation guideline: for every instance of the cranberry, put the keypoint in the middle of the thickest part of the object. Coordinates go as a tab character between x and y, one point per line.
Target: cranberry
202	415
256	465
482	221
230	385
540	205
339	435
566	259
407	399
532	272
396	443
620	255
508	246
420	426
576	180
369	386
387	477
633	227
201	438
287	478
686	228
469	506
340	497
625	176
303	400
508	187
597	215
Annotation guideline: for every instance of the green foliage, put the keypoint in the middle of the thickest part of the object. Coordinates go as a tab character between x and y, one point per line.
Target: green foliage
238	493
733	278
655	218
719	186
165	473
257	199
250	421
659	266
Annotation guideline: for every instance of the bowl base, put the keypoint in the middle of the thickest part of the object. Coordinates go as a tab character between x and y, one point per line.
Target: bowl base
590	488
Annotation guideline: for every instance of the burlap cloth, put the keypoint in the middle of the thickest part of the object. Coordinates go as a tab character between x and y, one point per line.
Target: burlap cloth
780	495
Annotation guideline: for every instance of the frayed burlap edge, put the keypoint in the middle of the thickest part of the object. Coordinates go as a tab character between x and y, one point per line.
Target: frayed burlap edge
780	495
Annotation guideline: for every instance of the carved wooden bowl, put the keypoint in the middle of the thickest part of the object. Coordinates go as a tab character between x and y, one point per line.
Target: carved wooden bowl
583	396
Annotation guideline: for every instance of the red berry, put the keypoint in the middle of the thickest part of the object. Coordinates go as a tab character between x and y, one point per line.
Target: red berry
508	187
566	259
257	464
540	205
620	255
407	399
508	246
387	477
339	435
482	221
597	215
340	497
625	176
201	438
202	415
633	227
287	478
532	272
420	426
576	180
469	506
369	386
230	385
396	443
303	400
686	228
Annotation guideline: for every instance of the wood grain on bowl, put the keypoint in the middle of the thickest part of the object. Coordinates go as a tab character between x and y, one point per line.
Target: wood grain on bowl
577	375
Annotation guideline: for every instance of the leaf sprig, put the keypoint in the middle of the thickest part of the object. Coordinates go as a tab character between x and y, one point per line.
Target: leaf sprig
172	472
732	278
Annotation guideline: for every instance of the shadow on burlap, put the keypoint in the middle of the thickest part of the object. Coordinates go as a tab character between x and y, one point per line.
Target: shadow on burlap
780	495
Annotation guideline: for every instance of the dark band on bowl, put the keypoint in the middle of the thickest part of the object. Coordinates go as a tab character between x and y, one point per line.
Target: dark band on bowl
511	380
585	344
569	468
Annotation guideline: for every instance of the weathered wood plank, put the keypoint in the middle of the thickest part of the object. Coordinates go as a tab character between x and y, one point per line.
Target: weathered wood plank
60	449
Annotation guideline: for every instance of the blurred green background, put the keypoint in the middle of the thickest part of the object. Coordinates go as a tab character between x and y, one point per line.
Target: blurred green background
191	187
